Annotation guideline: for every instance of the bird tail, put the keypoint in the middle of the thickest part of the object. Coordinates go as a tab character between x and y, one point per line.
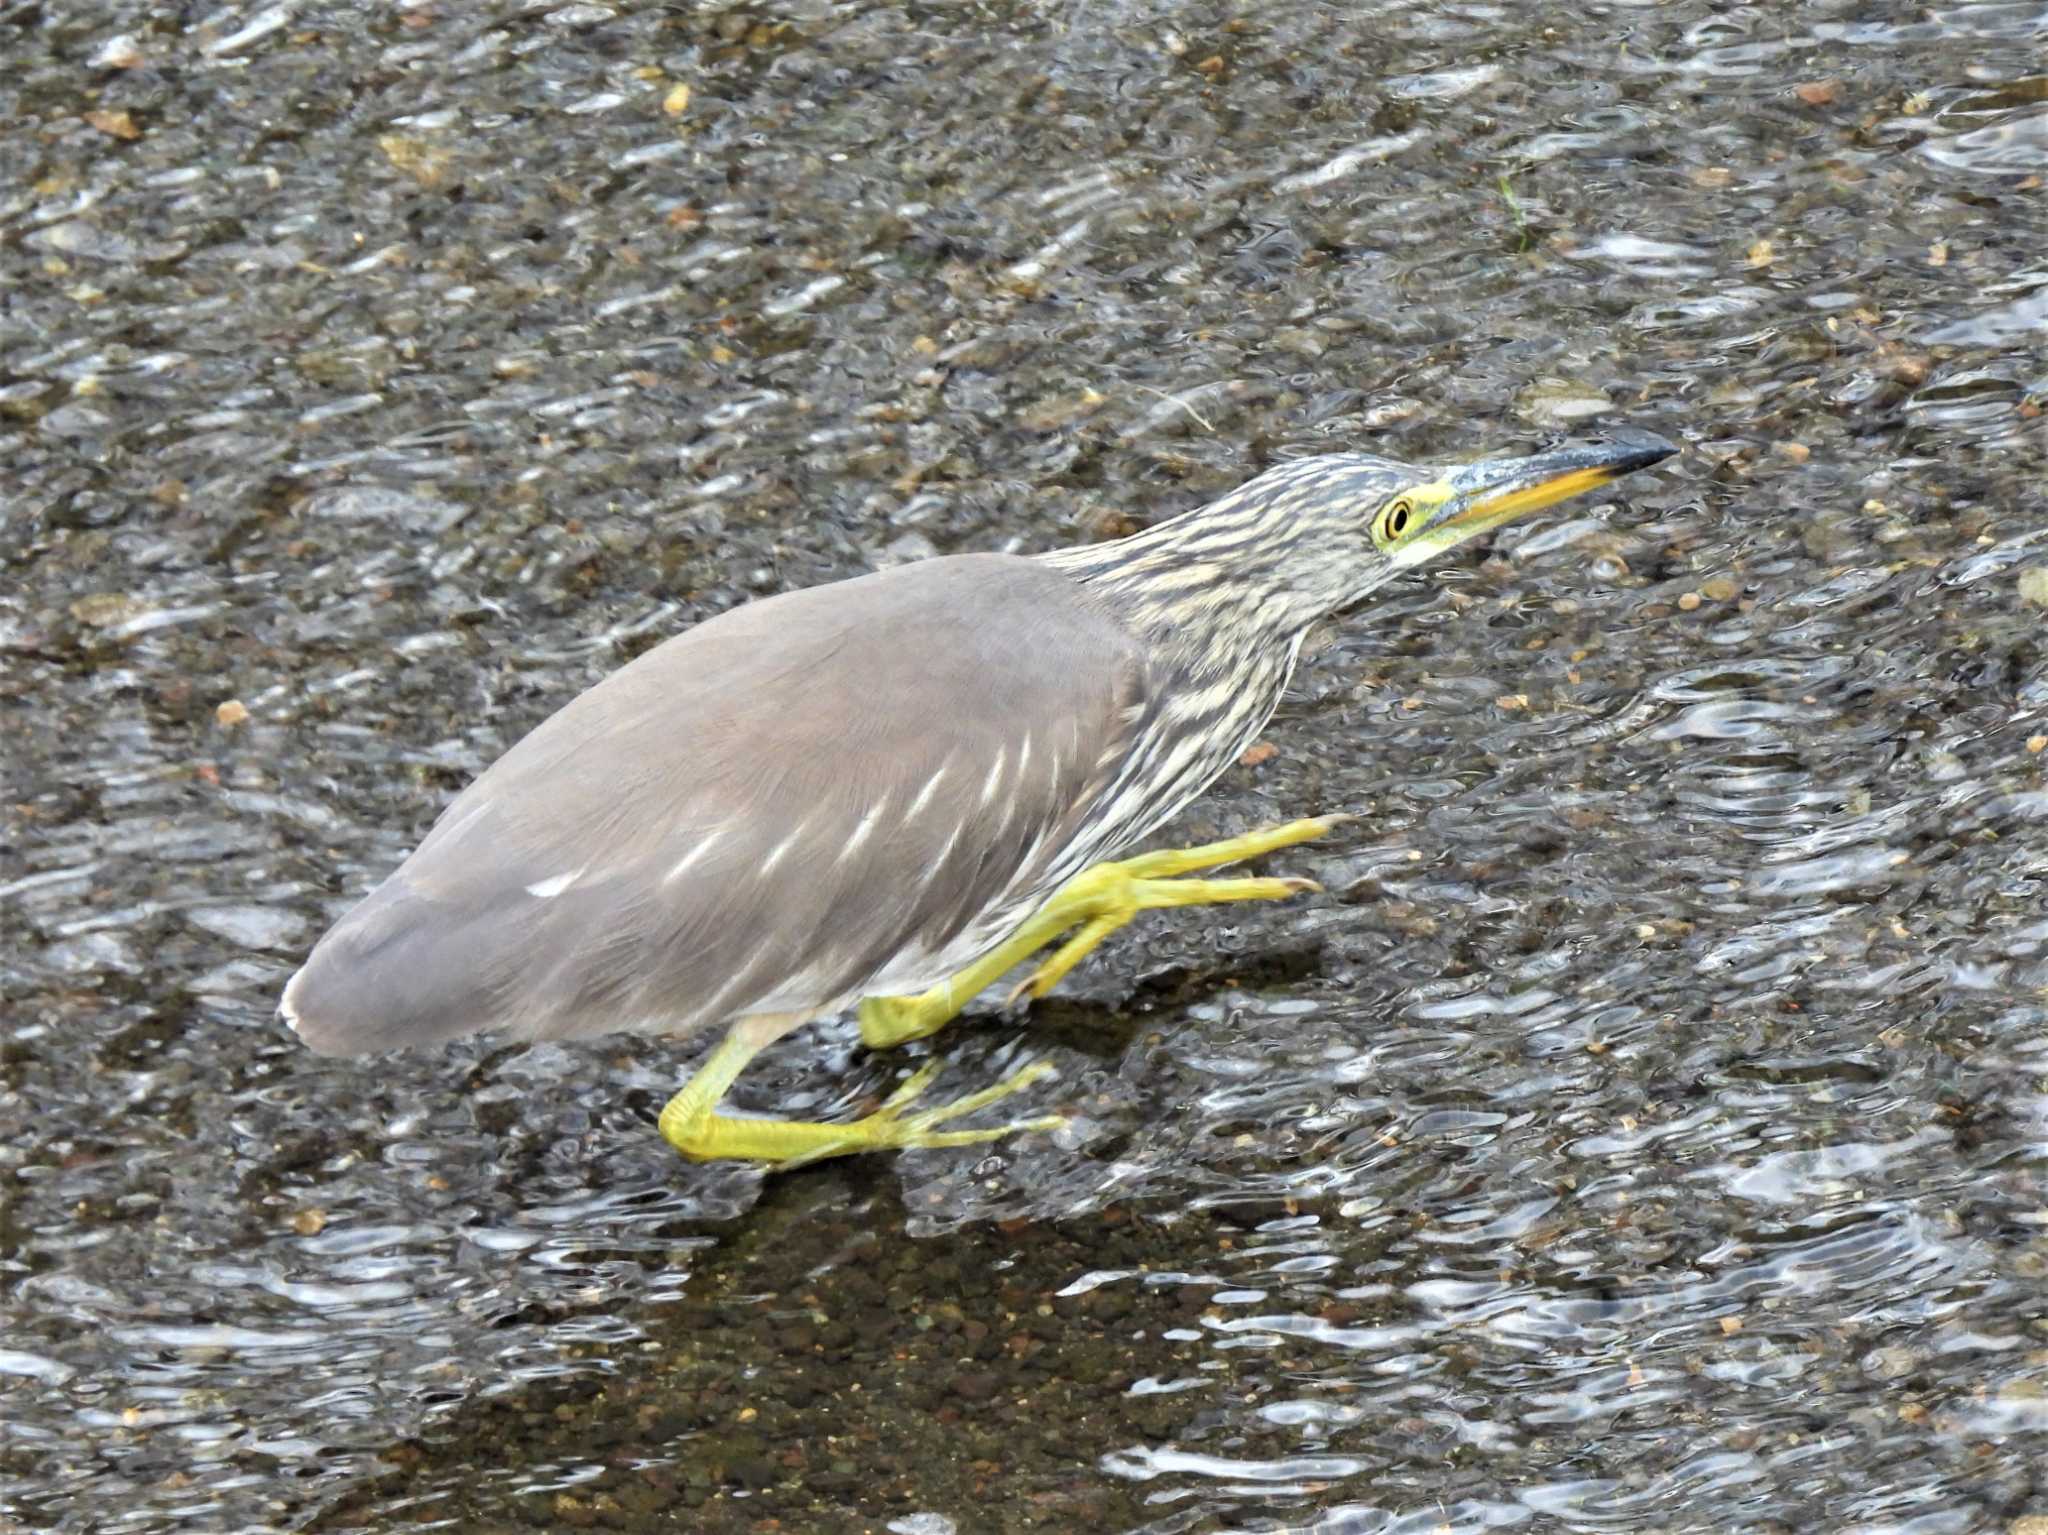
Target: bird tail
393	972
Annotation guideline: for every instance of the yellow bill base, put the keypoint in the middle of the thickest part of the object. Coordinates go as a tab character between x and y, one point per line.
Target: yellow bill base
1531	498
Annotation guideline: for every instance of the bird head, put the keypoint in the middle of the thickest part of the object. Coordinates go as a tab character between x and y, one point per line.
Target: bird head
1313	535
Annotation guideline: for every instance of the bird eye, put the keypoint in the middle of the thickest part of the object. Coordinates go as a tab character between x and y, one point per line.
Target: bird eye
1396	520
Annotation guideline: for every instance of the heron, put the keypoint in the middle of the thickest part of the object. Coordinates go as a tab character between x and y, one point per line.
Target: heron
889	792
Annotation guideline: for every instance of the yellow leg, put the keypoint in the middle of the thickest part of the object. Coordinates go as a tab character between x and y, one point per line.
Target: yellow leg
690	1124
1097	902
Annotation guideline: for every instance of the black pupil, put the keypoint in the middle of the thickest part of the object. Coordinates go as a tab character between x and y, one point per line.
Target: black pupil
1399	520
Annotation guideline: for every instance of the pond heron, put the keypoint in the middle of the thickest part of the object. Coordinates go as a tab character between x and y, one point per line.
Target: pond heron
890	791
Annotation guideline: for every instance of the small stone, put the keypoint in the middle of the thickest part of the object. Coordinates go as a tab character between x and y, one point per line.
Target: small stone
1818	93
2034	586
117	53
1256	753
1894	1361
905	549
309	1223
1718	589
1688	602
103	610
2037	744
1731	1325
1760	254
1560	403
1107	522
115	125
677	101
1905	367
428	164
1798	452
231	713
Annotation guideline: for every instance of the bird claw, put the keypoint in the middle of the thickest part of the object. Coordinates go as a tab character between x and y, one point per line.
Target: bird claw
1015	996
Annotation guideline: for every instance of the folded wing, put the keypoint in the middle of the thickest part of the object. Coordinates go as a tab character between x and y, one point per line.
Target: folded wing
765	813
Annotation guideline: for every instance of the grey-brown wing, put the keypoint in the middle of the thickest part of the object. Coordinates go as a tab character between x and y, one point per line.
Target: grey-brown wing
758	815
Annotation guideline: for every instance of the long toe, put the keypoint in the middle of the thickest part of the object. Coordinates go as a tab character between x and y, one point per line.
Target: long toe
912	1088
1016	1082
916	1138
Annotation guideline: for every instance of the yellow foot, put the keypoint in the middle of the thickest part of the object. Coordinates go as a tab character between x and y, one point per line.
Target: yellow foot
785	1143
1091	906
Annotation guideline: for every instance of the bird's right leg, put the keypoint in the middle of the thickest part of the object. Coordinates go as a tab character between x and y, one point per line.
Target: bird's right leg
1091	906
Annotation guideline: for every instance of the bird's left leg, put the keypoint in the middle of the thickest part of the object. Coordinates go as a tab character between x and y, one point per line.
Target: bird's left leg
690	1123
1091	906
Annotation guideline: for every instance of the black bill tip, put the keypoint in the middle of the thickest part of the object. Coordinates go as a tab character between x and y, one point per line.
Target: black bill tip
1625	449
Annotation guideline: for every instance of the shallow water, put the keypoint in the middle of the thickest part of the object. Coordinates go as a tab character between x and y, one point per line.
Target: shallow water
1646	1131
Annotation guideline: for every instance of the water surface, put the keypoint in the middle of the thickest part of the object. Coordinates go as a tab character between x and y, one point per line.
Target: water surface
1644	1132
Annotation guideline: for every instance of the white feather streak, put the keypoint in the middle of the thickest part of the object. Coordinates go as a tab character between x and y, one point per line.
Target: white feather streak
924	795
995	779
861	832
944	853
689	859
548	889
775	854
